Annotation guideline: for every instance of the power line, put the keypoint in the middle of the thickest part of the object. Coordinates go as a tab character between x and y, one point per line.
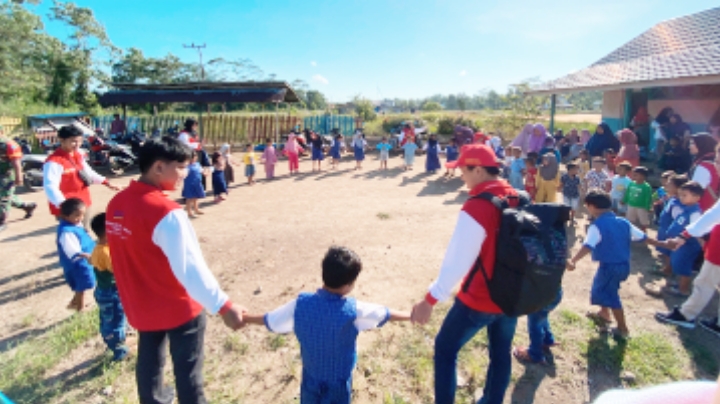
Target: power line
199	49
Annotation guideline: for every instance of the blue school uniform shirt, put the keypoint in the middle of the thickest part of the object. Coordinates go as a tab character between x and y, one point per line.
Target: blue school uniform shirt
686	215
384	146
87	245
452	153
327	326
667	216
609	239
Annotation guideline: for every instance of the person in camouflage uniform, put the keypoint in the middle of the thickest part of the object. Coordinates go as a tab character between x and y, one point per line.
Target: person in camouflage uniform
11	176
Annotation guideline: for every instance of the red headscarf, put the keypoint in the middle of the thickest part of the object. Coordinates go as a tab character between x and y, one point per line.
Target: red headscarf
629	151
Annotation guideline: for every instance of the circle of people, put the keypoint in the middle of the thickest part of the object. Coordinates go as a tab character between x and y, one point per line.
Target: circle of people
143	228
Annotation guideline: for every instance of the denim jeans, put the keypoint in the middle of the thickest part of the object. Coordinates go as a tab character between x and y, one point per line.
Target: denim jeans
186	350
460	325
539	330
112	320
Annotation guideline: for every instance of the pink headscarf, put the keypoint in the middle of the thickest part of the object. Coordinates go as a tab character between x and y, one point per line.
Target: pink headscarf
537	142
523	138
629	151
584	136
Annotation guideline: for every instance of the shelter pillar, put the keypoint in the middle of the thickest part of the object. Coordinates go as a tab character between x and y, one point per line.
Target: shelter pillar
124	108
553	100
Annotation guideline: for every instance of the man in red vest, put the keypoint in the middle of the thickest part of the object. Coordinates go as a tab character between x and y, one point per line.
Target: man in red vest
164	283
475	236
66	174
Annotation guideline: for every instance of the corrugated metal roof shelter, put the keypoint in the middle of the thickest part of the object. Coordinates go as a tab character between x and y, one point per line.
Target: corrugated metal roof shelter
675	63
198	92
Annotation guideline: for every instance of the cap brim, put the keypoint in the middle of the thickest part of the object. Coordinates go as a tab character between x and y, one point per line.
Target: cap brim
452	164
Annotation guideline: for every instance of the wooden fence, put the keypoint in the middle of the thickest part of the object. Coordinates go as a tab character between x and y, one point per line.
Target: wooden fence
10	124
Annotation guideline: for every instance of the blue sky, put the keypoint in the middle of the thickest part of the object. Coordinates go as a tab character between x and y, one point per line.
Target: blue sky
392	48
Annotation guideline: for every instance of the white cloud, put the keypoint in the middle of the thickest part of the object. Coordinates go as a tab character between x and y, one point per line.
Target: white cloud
320	79
463	72
313	63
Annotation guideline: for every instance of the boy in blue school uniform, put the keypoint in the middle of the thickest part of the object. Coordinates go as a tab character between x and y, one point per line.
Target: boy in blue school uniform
327	324
683	259
671	208
608	240
74	248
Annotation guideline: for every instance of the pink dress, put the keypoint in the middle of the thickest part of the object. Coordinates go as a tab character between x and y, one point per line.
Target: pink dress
270	159
292	148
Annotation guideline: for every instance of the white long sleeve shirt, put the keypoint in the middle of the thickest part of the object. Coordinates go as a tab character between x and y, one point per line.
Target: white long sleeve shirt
52	176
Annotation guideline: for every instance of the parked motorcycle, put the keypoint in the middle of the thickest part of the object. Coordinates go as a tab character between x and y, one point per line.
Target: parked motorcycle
110	153
32	166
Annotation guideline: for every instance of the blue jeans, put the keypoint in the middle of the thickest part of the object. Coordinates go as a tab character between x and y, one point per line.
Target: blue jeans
460	325
539	330
112	320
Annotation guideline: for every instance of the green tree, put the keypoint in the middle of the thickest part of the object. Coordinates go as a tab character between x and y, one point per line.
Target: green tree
364	108
316	100
431	106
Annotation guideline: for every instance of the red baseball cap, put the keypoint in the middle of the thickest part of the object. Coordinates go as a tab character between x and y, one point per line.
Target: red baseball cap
478	155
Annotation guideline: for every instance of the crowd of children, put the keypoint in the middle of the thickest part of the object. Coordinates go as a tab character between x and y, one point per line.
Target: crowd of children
608	191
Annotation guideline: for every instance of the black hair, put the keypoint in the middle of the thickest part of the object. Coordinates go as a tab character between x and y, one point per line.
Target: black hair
598	199
215	157
189	123
667	174
625	165
98	225
167	149
570	166
341	266
70	206
678	180
583	151
267	140
611	151
68	131
116	114
492	170
533	155
248	145
641	170
693	187
599	160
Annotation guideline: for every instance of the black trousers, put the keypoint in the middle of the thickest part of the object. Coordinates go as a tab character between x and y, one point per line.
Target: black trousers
186	350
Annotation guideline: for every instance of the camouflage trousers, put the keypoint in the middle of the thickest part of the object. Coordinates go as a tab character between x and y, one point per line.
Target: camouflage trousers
7	197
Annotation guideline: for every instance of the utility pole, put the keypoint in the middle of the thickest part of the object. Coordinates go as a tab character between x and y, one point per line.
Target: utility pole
199	49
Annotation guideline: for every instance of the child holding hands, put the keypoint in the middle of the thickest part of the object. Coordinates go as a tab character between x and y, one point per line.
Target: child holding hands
74	247
192	187
326	324
608	240
269	158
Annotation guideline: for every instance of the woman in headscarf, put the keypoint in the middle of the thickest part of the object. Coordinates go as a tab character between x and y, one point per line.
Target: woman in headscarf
602	140
641	125
677	128
629	152
659	125
703	148
523	138
548	179
537	140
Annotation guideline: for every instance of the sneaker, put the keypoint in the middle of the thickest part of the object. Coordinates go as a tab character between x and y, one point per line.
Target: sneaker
29	208
711	325
675	318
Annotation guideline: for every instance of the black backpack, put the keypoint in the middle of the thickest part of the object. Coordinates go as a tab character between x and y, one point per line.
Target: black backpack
530	255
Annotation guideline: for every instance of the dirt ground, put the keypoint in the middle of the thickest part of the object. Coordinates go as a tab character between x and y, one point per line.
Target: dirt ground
265	244
578	117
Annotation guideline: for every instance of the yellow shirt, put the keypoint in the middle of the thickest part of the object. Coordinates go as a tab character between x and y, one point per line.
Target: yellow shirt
100	258
249	158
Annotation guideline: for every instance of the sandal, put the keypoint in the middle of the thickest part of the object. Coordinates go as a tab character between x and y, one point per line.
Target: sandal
617	335
523	356
598	319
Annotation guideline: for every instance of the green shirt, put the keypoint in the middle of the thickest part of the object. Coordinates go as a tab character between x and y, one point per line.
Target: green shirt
639	195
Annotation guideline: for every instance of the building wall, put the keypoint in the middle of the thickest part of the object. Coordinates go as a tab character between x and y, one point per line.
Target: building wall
613	108
696	112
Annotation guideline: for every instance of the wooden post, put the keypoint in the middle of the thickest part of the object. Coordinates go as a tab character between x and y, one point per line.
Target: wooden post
124	107
553	100
200	123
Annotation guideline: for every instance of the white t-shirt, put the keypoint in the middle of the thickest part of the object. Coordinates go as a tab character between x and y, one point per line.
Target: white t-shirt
619	186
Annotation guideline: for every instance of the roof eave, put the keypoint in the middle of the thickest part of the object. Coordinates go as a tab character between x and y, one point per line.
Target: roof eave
679	81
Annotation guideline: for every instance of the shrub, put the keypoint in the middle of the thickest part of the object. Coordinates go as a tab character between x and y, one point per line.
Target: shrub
432	106
446	125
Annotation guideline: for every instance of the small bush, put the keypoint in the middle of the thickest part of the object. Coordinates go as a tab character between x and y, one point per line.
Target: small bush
446	125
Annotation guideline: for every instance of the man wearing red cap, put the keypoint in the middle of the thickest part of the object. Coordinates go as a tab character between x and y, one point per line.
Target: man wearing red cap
474	238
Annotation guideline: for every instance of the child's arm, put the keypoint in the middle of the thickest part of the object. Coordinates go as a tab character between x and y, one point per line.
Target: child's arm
280	320
592	239
370	315
399	315
256	319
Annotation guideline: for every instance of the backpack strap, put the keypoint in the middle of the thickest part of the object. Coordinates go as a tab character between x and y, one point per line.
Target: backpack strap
501	204
498	202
